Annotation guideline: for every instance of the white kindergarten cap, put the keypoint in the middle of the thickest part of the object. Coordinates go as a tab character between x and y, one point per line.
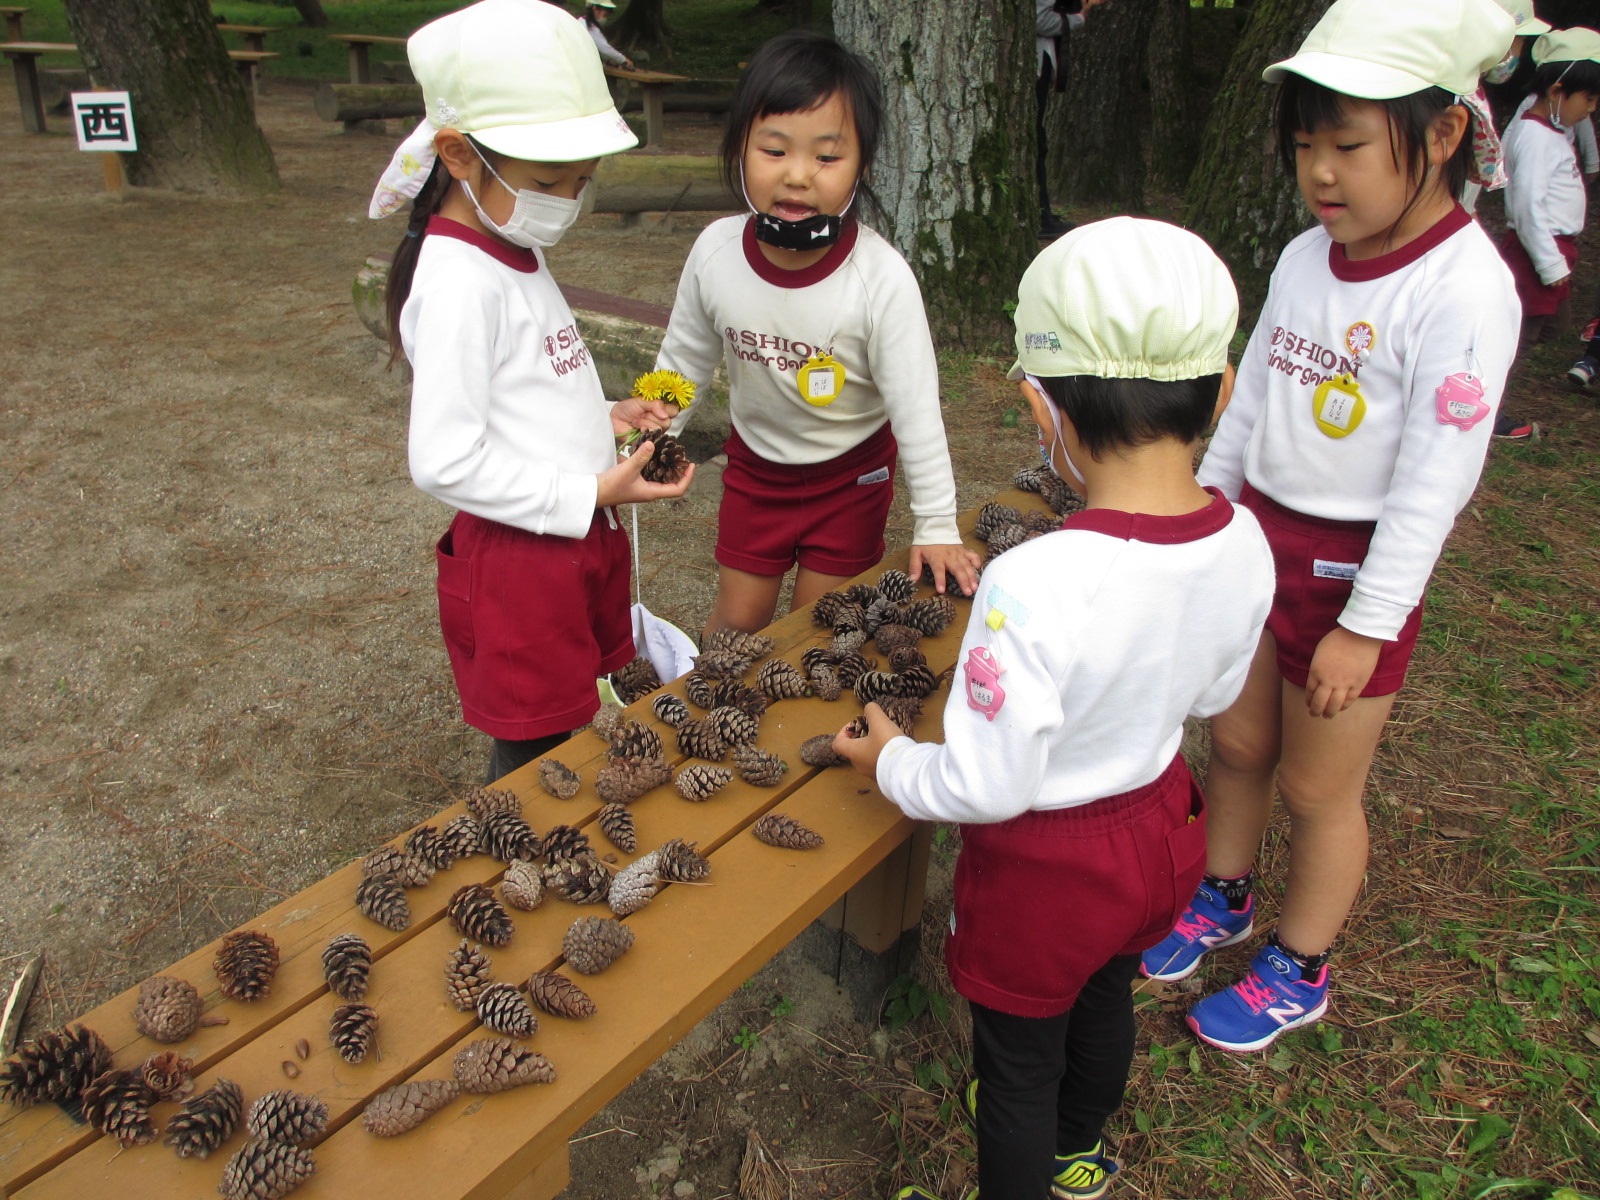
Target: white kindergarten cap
522	77
1125	298
1567	45
1381	49
1528	23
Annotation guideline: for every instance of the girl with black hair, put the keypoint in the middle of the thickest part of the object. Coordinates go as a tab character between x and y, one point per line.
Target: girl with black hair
595	14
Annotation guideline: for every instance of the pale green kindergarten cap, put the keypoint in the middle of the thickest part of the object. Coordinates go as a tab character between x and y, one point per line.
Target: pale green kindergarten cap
1567	45
1125	298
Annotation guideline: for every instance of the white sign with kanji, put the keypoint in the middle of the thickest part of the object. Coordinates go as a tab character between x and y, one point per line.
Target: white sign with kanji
104	121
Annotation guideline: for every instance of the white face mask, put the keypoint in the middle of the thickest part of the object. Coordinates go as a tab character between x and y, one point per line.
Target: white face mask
1055	420
1503	70
537	219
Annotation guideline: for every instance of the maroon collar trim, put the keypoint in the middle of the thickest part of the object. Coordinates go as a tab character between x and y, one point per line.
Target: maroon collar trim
1359	271
515	257
1162	531
778	276
1530	115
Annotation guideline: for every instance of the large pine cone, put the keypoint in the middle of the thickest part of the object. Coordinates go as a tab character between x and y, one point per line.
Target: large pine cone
352	1031
460	837
818	752
733	725
824	682
862	593
635	885
721	664
698	739
916	680
635	680
583	878
635	740
895	586
118	1104
594	943
778	680
853	666
57	1065
502	1008
475	913
776	829
678	862
168	1075
697	688
1058	494
669	462
1003	539
847	641
426	843
616	822
559	996
702	782
466	974
481	802
736	641
265	1171
410	870
608	718
875	685
894	637
523	886
207	1120
735	693
384	900
757	766
1035	521
245	964
346	964
826	607
498	1065
507	837
903	658
167	1009
932	615
904	711
883	612
623	780
671	709
563	841
813	657
560	780
403	1107
992	516
287	1118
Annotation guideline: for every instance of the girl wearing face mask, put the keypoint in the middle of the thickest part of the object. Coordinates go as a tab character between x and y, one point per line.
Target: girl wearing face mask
831	370
508	422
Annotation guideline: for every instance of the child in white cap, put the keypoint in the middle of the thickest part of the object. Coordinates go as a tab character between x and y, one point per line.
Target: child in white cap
508	422
595	14
1357	432
1082	830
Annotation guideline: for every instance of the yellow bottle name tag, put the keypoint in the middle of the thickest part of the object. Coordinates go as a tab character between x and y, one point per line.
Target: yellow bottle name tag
821	380
1338	406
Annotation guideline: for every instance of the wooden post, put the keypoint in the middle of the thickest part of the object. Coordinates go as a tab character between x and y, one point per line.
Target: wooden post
360	66
14	25
25	67
888	901
655	118
111	162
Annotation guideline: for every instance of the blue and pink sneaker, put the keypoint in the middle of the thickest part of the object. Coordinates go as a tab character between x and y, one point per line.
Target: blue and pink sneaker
1206	924
1271	999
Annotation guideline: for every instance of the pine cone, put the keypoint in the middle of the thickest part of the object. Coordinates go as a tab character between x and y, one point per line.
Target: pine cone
993	515
670	708
466	974
818	752
168	1075
1035	521
623	780
583	878
636	679
932	616
668	463
758	767
409	870
1058	494
560	780
848	641
862	593
616	822
608	718
776	829
287	1118
557	995
502	1009
875	685
853	666
721	664
824	682
778	680
698	688
498	1065
167	1009
207	1120
352	1031
563	841
245	964
1003	539
523	886
118	1104
698	740
475	913
403	1107
733	725
736	641
680	864
635	740
733	693
507	837
883	612
813	657
635	885
702	782
852	614
384	901
826	607
896	586
265	1171
896	637
1031	479
916	681
56	1065
857	728
484	802
346	963
594	943
426	843
903	658
904	711
460	837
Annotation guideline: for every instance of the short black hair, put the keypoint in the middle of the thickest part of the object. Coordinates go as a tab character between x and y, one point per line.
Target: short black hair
1574	75
1112	414
796	72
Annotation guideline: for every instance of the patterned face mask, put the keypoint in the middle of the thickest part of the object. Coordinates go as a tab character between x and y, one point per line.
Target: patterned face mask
1488	160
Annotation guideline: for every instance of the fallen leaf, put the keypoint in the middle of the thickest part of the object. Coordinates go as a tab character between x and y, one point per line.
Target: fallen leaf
1454	831
1531	966
1383	1142
1593	1034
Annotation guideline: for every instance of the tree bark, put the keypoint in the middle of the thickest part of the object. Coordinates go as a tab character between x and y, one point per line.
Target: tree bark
1240	199
1173	128
311	13
954	171
194	119
642	23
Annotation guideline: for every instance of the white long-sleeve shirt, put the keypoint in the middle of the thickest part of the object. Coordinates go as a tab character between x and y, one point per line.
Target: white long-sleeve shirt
1580	135
508	421
1439	308
608	52
1107	635
1049	25
1546	197
862	301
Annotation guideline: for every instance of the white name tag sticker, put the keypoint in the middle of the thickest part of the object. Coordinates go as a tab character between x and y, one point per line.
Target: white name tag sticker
881	475
1323	569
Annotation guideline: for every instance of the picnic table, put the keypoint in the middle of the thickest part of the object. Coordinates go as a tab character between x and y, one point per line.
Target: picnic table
653	87
255	38
359	46
13	15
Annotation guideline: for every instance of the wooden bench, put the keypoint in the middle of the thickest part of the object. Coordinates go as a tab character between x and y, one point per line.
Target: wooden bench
13	15
249	64
359	45
653	87
695	946
255	38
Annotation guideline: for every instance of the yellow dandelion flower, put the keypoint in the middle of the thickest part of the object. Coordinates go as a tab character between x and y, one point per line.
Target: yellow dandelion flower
665	385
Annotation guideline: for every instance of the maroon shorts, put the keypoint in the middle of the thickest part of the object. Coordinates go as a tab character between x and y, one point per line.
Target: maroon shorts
828	516
1315	561
531	620
1046	899
1538	299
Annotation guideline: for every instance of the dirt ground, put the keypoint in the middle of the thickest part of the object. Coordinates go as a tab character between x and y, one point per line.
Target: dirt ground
220	667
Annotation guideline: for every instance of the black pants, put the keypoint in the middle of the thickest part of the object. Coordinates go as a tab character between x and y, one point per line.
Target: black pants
506	756
1041	92
1047	1084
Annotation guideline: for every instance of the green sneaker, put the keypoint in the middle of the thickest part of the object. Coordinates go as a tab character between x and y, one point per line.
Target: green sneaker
1083	1176
913	1192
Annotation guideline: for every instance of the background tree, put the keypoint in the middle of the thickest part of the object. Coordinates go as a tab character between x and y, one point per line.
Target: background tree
311	13
195	122
642	23
955	168
1174	143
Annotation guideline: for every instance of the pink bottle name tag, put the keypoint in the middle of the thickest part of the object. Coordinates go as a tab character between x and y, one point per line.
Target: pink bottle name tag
984	692
1459	401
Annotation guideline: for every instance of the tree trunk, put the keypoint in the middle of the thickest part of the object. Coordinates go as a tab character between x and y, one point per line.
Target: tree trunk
1097	128
1173	128
642	23
954	172
1240	199
311	13
194	119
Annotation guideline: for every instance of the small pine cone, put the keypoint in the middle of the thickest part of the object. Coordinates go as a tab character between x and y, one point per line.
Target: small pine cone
883	612
583	878
863	593
635	885
932	616
460	837
896	586
466	974
732	693
523	886
245	964
826	607
118	1104
825	682
733	725
813	657
167	1009
56	1065
1031	479
265	1171
403	1107
346	963
616	822
287	1118
502	1008
207	1120
904	711
697	739
702	782
507	837
756	766
896	637
852	667
776	829
557	995
1003	539
425	842
483	802
678	863
623	780
1035	521
850	617
847	642
593	943
608	718
778	680
384	900
736	641
857	728
818	752
903	658
670	708
721	664
916	680
636	679
475	913
875	685
669	461
1058	494
498	1065
168	1075
698	688
408	869
560	780
353	1030
634	740
563	841
993	515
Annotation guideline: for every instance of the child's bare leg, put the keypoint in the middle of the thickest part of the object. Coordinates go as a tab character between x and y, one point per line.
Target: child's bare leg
809	584
1245	744
1321	779
744	601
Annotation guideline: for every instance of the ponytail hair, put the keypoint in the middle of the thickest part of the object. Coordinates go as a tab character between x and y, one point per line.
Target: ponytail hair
404	264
